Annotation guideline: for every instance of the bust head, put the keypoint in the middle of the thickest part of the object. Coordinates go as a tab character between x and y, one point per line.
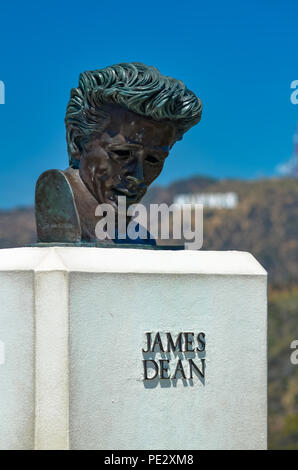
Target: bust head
121	123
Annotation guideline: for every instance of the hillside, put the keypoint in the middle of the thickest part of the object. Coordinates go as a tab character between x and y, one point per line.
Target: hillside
282	375
17	228
265	222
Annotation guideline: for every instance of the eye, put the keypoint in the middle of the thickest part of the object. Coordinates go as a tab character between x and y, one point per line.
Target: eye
152	159
123	153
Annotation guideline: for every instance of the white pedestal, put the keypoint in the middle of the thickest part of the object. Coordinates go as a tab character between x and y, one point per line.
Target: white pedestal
73	323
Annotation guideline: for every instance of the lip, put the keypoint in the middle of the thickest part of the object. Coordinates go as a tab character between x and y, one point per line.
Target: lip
125	192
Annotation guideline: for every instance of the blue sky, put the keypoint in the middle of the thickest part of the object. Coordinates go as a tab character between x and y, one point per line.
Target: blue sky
240	58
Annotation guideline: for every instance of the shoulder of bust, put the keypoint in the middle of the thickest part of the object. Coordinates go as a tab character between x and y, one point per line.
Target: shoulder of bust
56	214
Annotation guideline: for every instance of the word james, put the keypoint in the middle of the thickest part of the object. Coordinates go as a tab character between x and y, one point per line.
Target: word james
185	342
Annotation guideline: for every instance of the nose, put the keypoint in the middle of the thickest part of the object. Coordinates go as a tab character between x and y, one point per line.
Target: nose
136	178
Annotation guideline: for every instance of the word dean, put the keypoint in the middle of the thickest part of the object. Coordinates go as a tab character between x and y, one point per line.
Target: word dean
188	347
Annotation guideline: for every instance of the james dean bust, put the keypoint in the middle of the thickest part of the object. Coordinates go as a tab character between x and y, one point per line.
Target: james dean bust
121	123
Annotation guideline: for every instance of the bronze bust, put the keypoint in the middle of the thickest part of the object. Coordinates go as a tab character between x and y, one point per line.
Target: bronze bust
121	123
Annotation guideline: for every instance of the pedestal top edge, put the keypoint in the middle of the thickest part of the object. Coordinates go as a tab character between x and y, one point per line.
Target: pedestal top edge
123	260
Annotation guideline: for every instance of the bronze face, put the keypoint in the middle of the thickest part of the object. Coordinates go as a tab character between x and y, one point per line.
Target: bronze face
126	157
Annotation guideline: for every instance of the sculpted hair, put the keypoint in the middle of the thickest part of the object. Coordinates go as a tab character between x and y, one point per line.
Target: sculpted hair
140	88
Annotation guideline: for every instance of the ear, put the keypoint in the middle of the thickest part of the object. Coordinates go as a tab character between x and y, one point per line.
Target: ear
73	143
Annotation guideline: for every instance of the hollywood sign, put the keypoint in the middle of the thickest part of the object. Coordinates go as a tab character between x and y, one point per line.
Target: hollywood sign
209	200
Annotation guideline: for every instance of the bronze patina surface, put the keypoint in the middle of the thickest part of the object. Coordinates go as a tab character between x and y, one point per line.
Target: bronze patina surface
121	123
